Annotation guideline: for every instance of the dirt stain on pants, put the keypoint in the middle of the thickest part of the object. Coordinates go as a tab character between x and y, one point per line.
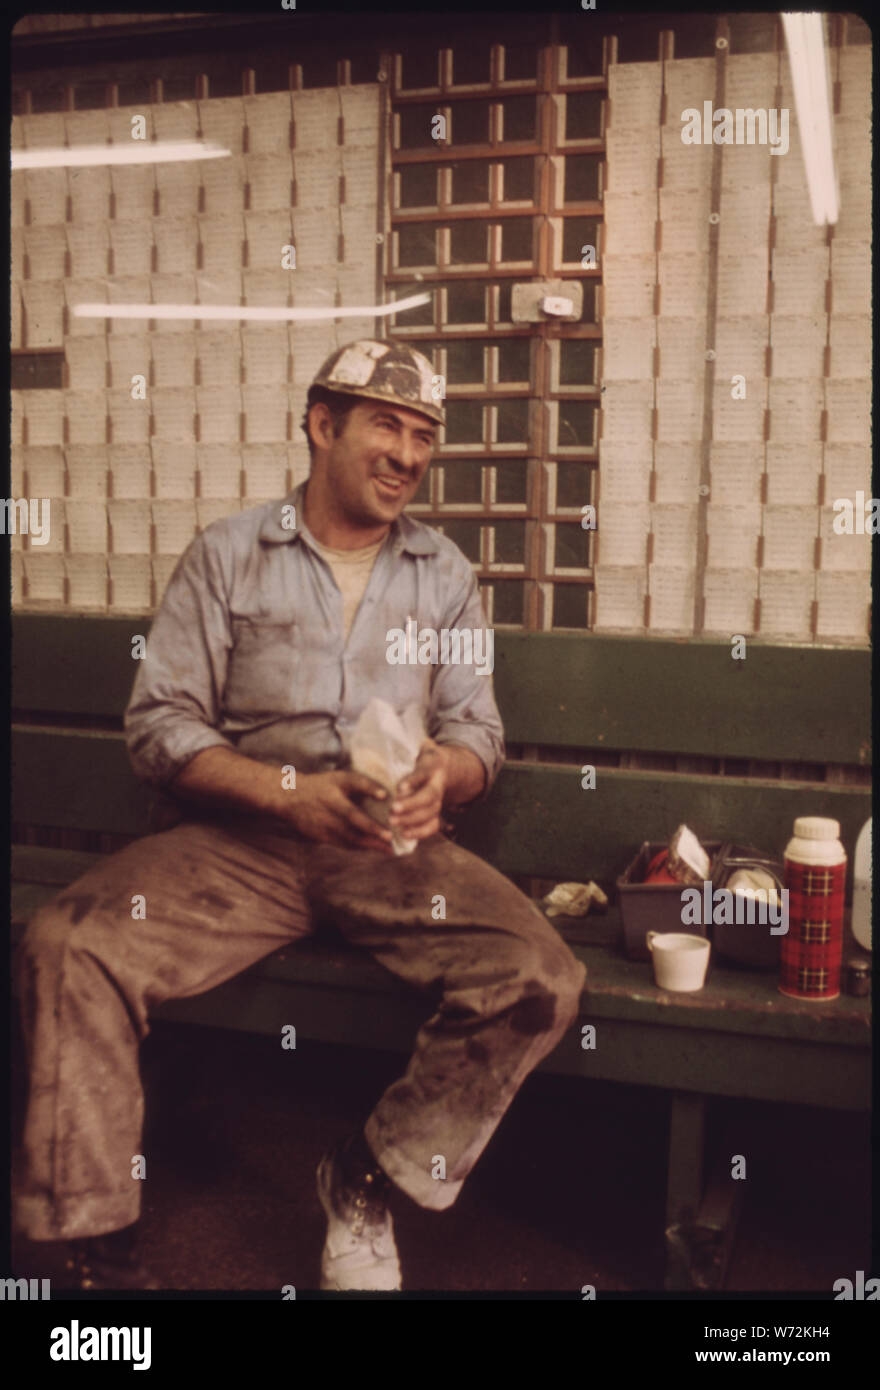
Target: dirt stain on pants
223	894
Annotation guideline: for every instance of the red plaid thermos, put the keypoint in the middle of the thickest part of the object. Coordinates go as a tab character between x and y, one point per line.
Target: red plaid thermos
815	875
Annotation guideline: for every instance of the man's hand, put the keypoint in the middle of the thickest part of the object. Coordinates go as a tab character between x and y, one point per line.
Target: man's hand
418	801
322	808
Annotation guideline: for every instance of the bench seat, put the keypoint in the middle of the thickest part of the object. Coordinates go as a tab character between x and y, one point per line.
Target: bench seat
677	732
332	992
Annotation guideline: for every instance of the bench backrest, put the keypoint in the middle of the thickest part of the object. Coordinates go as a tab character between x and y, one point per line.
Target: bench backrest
788	716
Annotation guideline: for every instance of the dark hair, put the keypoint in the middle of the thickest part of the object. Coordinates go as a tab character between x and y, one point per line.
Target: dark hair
339	405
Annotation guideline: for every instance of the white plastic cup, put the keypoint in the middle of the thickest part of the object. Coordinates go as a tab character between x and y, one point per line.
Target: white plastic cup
680	959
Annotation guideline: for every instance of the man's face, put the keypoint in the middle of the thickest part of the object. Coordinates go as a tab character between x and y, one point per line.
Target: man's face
375	466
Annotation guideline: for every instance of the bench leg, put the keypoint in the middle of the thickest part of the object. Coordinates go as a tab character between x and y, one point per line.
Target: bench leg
684	1183
700	1220
719	1213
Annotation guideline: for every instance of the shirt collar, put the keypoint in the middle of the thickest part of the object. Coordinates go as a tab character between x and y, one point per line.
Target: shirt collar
406	533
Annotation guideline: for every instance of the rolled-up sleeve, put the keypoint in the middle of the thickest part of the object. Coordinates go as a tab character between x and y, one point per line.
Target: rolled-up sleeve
175	704
463	708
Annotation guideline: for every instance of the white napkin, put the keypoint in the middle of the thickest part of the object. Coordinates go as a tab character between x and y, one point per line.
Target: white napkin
385	745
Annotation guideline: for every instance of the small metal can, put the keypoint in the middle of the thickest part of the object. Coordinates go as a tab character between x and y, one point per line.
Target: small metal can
858	977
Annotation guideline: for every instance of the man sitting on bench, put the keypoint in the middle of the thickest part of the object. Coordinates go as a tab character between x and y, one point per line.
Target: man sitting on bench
270	640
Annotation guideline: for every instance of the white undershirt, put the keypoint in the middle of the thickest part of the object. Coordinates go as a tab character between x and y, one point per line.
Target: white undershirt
351	570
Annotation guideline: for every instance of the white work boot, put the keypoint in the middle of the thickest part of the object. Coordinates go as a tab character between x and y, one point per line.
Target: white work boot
359	1252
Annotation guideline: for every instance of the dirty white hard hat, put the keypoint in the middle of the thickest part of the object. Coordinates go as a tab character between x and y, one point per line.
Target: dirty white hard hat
391	372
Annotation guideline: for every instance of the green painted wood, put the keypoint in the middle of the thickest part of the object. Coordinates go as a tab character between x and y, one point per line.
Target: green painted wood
36	864
26	899
684	1185
788	703
319	1014
785	703
73	665
786	1070
77	779
733	1001
737	1037
646	1052
537	819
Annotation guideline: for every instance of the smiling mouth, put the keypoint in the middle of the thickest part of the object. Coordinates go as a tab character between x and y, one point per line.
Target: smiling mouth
392	486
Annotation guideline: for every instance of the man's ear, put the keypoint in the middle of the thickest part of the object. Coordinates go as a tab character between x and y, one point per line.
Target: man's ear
320	423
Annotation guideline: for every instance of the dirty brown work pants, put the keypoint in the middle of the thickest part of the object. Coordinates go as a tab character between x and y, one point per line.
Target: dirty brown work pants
220	895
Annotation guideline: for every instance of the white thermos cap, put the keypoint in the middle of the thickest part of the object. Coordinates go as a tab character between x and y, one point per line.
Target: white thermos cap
816	828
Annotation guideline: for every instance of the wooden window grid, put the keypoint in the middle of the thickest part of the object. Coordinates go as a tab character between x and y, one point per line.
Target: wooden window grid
540	107
520	452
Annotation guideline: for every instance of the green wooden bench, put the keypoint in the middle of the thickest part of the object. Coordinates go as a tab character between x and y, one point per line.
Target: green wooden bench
737	749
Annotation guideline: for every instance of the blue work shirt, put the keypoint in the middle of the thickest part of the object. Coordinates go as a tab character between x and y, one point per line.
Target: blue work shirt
247	650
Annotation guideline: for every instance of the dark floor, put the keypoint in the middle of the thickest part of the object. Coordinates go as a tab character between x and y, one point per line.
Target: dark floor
569	1192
